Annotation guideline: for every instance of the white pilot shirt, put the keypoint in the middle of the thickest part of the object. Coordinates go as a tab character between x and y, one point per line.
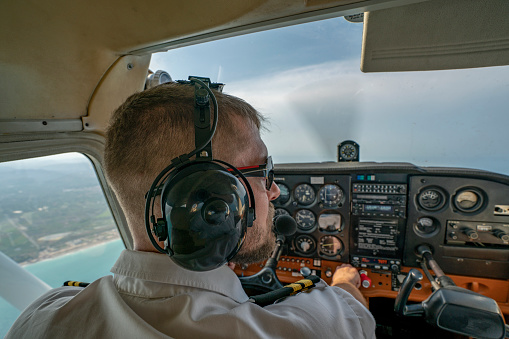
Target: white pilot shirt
151	297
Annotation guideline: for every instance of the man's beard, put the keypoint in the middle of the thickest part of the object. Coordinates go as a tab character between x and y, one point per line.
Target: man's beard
265	238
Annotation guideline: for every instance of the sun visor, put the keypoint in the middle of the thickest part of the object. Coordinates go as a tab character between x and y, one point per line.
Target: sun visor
436	35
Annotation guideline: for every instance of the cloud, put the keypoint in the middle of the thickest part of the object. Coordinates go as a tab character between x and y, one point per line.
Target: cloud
452	117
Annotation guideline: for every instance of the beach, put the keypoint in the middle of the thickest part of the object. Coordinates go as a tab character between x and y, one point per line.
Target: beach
73	246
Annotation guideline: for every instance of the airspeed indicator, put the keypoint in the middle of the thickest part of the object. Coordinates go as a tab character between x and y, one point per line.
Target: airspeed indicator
284	196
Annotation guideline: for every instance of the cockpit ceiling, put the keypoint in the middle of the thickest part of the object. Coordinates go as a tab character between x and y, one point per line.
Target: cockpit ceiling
55	53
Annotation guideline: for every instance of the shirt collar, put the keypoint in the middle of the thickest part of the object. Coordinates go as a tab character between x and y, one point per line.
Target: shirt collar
159	268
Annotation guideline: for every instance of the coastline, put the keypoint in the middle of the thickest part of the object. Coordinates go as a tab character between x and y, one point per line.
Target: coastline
100	239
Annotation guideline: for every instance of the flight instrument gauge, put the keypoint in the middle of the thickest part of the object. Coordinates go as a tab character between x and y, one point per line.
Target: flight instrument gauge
348	150
330	246
426	227
331	195
468	200
304	194
280	211
329	222
431	199
284	196
305	220
305	244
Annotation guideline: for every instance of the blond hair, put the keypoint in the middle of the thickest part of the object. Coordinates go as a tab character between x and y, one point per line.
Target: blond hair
153	127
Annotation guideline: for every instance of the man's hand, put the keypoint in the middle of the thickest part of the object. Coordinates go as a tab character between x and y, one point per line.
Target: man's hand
346	273
347	278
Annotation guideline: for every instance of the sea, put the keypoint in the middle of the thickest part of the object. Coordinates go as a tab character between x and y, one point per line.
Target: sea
85	265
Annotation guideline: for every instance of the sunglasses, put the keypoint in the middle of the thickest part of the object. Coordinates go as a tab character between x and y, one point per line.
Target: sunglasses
262	171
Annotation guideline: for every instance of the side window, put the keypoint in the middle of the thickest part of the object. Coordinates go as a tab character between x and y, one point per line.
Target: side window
55	222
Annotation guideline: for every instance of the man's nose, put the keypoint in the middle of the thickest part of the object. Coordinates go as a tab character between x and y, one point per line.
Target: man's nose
274	191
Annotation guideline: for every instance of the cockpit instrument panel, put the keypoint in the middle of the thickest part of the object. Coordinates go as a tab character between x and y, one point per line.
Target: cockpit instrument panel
375	216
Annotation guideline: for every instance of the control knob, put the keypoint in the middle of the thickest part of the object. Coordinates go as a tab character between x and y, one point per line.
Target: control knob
365	280
453	236
305	271
501	235
472	234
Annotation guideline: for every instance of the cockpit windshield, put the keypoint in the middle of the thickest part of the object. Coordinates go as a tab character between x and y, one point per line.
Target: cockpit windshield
306	79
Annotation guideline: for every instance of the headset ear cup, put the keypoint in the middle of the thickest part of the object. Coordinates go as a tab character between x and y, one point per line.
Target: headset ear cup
206	209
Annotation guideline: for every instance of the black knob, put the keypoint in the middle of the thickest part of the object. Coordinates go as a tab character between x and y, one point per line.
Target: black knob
472	234
305	271
501	235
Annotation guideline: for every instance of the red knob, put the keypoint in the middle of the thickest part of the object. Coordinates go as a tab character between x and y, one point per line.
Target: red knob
365	280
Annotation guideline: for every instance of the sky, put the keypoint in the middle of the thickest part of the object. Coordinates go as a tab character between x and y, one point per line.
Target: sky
306	79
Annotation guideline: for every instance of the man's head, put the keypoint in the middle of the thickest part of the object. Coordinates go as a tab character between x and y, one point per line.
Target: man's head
155	126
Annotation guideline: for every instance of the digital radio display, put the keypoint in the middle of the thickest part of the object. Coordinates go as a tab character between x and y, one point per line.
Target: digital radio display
374	261
378	208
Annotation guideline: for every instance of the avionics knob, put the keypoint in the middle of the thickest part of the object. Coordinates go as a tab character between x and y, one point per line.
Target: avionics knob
365	280
453	236
472	234
328	272
501	235
355	262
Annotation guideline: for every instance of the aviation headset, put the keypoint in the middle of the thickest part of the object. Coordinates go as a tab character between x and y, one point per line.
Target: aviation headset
206	209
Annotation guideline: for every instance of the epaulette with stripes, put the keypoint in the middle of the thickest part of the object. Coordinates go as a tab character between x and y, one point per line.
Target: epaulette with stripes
288	290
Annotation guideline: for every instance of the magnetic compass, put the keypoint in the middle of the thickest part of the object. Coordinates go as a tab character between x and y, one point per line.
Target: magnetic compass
348	150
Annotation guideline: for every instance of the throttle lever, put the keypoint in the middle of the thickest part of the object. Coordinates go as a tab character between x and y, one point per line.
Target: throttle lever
400	307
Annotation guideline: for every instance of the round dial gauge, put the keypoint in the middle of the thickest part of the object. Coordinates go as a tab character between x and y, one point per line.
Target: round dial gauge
348	152
284	196
304	194
305	220
330	245
280	211
426	226
305	244
469	200
331	195
431	199
329	222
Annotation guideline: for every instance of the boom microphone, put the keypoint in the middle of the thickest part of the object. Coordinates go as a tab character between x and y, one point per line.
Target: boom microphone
284	225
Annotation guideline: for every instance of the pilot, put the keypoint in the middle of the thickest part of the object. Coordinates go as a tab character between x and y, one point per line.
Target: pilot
149	295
